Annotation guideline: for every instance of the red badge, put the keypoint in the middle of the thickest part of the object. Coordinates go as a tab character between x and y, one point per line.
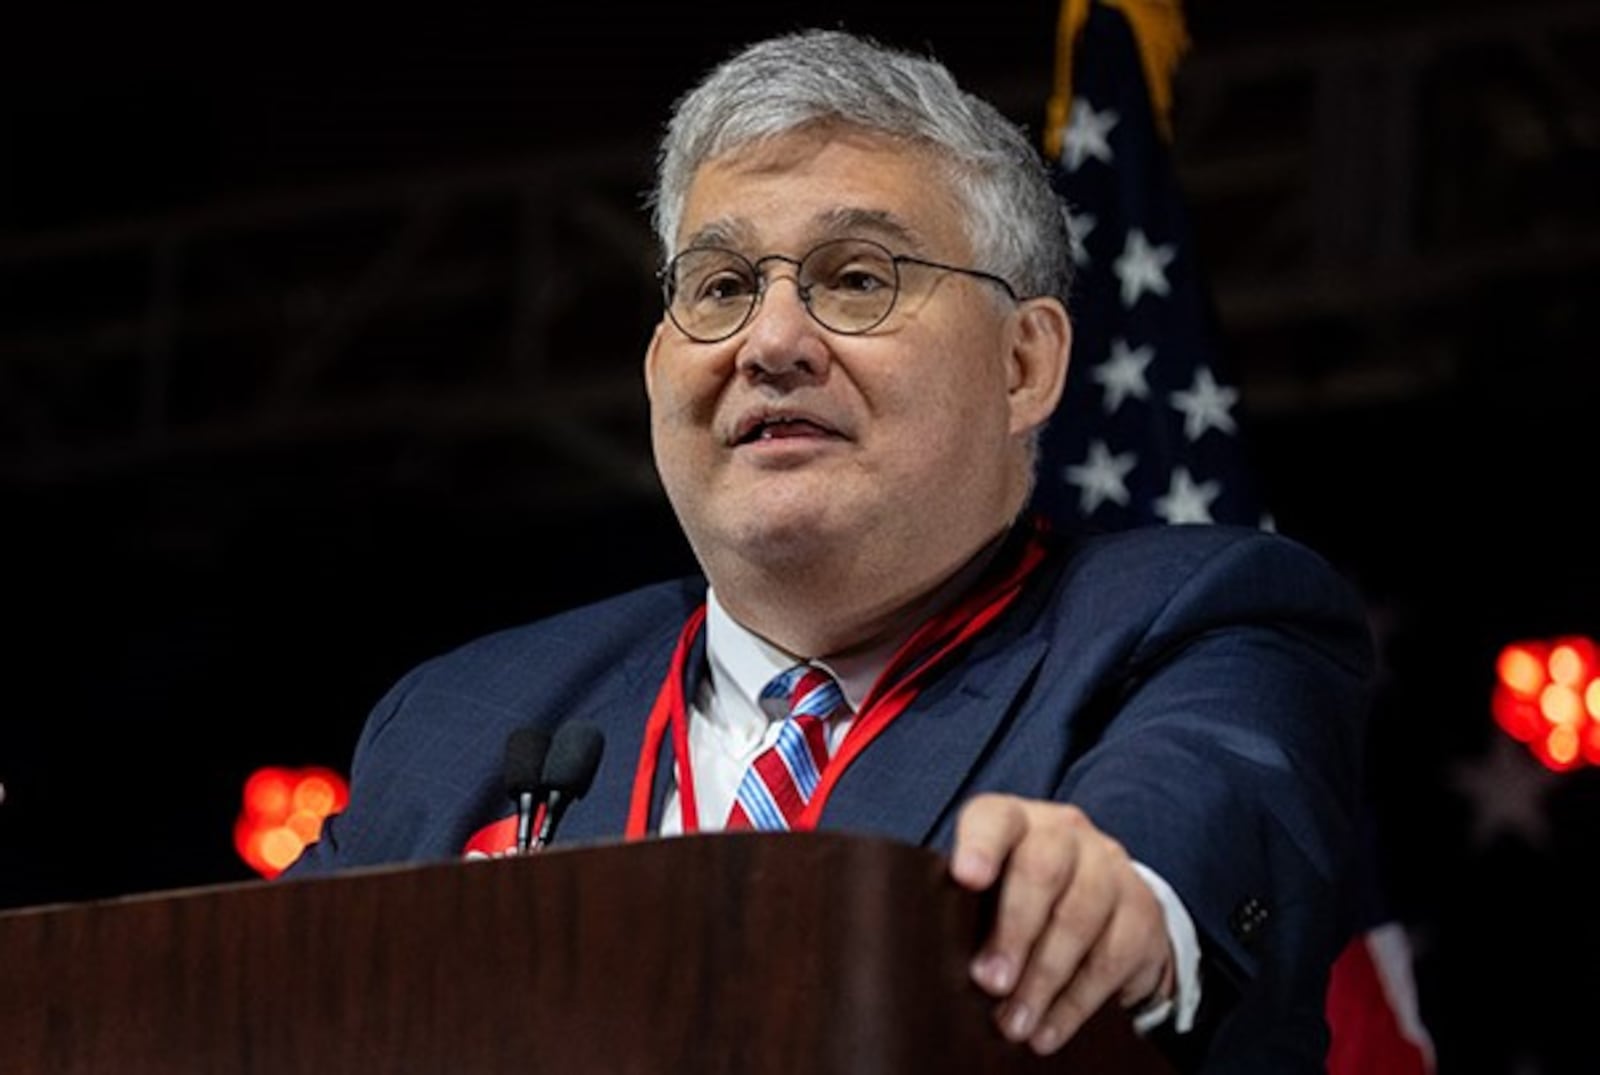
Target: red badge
496	840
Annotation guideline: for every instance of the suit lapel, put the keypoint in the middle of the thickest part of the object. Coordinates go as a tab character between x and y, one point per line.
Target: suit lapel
622	713
911	774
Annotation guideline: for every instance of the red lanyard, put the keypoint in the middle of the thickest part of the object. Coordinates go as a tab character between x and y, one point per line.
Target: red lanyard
895	689
670	710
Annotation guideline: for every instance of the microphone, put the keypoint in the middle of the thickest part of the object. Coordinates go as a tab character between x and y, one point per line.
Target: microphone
568	771
525	754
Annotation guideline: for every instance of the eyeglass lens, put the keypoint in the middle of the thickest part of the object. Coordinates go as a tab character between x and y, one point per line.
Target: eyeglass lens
848	285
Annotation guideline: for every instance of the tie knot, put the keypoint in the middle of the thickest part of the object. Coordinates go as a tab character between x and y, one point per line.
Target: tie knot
807	691
783	777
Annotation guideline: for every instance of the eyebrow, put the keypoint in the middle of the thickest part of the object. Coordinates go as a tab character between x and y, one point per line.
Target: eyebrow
724	232
849	221
837	223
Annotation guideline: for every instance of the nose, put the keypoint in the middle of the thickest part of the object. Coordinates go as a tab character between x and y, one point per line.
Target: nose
782	340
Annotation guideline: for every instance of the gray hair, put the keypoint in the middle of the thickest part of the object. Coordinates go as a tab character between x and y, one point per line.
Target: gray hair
1015	222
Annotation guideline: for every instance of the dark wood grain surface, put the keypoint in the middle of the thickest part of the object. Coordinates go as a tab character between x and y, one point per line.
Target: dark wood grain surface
741	953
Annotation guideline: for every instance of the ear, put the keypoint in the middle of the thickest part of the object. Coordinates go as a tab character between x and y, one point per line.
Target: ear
651	354
1037	364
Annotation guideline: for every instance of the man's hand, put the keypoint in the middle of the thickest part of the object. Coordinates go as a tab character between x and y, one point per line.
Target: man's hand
1076	923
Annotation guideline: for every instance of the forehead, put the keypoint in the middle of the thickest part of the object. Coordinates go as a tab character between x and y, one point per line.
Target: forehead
786	193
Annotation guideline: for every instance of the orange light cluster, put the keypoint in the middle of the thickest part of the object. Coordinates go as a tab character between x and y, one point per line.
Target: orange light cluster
283	811
1548	696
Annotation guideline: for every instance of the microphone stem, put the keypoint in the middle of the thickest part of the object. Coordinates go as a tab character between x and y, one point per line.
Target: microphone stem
554	807
524	822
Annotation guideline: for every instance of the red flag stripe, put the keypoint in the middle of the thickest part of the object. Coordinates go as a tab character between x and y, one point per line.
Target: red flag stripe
1372	1009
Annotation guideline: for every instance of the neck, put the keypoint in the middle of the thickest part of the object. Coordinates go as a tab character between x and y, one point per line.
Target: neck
820	610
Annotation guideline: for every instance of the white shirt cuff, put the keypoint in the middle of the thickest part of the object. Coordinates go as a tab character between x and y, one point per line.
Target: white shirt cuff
1180	1008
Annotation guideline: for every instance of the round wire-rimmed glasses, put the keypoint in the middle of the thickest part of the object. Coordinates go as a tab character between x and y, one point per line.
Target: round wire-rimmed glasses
848	286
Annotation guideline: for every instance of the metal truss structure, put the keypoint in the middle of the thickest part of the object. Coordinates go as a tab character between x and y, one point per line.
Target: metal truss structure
1367	205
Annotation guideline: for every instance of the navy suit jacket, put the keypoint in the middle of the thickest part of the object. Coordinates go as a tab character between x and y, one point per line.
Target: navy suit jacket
1200	691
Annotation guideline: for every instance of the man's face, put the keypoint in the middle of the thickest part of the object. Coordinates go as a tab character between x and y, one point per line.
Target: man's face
900	449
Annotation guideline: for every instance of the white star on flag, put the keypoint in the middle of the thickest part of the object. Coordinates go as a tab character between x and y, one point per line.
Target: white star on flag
1122	375
1101	478
1079	226
1507	789
1087	135
1186	501
1142	267
1205	405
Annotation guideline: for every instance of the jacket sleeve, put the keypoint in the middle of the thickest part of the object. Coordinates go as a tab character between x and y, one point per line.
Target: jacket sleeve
1229	761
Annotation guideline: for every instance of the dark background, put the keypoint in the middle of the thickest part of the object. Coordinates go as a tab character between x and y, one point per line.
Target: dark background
318	348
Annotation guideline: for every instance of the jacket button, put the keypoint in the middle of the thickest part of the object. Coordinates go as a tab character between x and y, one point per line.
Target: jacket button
1248	919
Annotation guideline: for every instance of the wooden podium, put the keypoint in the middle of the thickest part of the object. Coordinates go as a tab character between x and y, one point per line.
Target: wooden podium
744	953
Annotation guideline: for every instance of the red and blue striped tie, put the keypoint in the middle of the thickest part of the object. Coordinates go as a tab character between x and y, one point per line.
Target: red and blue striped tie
781	780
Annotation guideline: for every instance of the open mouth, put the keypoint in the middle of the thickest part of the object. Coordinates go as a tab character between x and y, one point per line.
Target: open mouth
780	428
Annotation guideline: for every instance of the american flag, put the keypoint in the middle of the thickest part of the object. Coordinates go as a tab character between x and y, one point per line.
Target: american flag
1149	430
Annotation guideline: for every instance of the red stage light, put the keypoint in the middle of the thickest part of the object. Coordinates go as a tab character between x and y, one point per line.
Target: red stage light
283	811
266	793
1561	705
1519	716
1521	668
1548	696
1572	661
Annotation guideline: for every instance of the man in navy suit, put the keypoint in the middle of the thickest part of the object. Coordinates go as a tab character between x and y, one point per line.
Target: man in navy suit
1146	744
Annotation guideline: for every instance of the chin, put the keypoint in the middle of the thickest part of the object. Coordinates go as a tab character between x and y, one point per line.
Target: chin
804	534
773	538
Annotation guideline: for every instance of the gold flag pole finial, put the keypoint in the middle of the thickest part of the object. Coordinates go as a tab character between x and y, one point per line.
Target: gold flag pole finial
1163	38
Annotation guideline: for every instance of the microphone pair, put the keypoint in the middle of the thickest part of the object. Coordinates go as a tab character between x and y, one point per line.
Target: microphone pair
545	774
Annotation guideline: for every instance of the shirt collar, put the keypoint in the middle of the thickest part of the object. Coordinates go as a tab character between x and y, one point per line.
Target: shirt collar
744	662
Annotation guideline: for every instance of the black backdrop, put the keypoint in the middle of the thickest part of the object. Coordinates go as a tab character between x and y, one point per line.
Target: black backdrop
178	621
